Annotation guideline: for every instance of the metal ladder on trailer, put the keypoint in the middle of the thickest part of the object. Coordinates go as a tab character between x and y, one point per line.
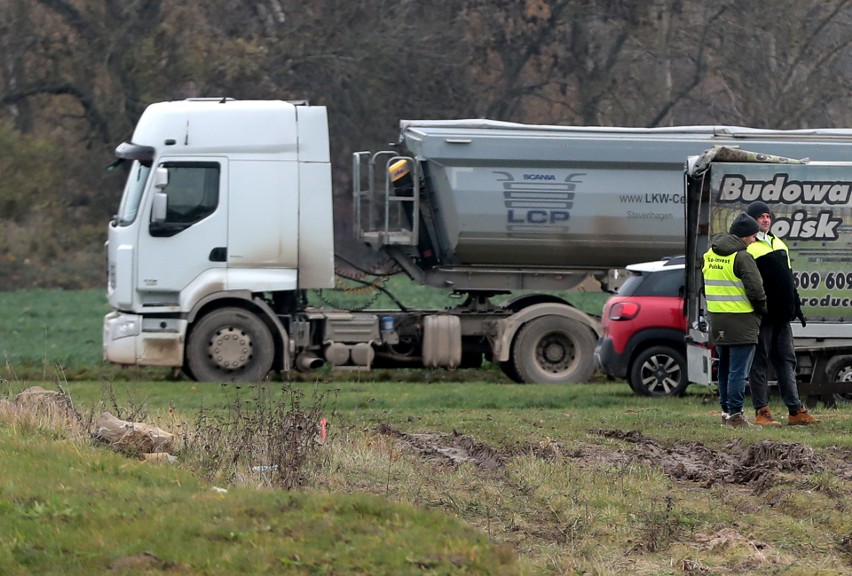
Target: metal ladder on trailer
385	214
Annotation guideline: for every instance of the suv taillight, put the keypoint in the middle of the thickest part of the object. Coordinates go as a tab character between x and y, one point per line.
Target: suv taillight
624	311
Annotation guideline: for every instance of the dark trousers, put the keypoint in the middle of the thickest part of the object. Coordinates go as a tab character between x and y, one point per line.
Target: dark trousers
775	346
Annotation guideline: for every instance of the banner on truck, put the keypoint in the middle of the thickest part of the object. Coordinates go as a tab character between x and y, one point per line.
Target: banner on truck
812	212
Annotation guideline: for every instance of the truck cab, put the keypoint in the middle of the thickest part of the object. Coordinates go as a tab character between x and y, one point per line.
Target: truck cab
224	199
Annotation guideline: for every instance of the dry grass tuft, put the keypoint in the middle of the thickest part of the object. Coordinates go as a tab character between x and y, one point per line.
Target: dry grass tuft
267	440
37	410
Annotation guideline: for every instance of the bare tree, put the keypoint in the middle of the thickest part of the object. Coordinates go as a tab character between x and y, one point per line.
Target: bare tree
75	75
785	64
588	62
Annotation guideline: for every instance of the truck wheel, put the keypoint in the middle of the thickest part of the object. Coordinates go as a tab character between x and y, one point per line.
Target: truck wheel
554	350
839	369
229	345
658	371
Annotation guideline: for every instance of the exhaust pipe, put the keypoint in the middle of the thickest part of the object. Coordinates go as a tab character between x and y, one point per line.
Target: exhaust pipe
307	361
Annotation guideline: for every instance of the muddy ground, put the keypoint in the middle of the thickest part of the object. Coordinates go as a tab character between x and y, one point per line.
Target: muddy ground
758	466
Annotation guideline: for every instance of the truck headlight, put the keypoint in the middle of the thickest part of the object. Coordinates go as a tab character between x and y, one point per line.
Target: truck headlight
124	327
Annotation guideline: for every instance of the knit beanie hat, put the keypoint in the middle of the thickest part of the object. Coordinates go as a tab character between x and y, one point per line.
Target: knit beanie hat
757	208
744	225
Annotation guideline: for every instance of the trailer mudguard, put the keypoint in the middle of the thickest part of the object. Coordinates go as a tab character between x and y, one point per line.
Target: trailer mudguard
508	327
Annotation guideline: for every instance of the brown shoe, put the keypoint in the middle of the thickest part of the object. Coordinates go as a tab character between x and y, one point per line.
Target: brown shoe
763	416
801	418
739	421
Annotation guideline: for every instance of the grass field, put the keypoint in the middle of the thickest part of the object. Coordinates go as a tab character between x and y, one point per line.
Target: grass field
431	478
417	475
54	326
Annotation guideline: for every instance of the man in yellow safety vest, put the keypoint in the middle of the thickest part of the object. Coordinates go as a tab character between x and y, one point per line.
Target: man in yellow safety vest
775	342
736	302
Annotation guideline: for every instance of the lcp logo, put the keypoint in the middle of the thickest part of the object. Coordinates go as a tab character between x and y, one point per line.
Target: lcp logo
538	203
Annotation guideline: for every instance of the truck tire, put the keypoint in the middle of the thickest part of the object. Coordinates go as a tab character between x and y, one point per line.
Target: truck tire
839	369
554	350
658	371
229	345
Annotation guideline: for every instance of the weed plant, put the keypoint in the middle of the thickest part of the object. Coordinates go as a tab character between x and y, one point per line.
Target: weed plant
261	437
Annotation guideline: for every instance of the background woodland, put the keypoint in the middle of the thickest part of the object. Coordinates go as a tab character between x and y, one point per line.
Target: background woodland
75	75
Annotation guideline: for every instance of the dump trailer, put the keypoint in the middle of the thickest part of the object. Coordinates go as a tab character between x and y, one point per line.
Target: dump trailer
226	221
811	203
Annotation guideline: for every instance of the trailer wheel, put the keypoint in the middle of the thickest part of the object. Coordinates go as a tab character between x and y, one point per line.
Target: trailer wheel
554	350
658	371
229	345
839	369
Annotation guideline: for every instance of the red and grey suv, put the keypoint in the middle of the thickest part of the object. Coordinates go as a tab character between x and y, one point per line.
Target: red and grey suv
644	328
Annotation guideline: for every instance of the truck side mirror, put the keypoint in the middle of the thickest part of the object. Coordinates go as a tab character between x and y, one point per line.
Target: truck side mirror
161	177
159	207
161	199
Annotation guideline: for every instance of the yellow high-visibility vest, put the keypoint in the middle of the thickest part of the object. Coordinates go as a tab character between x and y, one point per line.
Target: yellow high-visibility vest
760	248
723	291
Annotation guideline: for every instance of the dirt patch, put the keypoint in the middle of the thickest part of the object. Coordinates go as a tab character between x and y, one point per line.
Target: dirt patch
759	466
448	449
752	554
144	561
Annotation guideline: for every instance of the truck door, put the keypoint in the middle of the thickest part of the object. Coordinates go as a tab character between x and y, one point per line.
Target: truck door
193	237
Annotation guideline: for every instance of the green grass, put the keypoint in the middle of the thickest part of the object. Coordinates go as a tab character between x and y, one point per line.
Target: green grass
69	509
57	327
568	498
413	295
502	413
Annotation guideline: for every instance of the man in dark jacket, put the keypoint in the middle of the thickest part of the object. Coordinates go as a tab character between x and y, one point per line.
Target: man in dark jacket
775	343
735	303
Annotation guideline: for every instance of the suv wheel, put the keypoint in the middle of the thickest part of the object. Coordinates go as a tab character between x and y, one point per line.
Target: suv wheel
658	371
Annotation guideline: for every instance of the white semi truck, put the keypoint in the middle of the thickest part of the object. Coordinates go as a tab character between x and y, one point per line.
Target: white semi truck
811	203
226	220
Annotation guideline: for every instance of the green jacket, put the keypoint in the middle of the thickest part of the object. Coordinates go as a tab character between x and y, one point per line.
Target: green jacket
735	329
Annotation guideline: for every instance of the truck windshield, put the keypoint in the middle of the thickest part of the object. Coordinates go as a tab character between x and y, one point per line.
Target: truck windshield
132	196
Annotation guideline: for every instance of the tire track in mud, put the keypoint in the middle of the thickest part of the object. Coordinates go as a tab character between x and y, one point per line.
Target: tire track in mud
448	449
759	466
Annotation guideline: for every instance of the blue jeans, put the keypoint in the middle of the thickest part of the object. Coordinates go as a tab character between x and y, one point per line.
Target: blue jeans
734	366
775	345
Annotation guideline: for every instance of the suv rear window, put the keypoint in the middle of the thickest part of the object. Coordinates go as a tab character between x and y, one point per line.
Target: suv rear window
662	283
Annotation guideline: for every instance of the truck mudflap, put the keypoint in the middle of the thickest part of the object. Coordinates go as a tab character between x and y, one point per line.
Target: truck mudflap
699	364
